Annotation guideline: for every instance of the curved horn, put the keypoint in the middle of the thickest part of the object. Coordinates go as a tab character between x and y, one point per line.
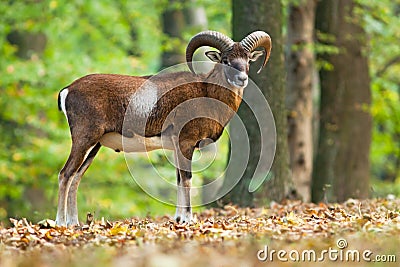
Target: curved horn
210	38
258	39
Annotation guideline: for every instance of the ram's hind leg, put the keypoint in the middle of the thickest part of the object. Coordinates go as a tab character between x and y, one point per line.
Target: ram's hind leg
75	160
72	206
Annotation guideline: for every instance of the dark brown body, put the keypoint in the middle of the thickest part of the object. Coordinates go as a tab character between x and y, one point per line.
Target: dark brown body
173	111
99	105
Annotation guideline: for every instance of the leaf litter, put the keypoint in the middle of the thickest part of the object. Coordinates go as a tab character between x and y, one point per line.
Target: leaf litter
225	236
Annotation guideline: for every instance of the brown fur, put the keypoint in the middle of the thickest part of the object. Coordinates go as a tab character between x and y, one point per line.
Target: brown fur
97	104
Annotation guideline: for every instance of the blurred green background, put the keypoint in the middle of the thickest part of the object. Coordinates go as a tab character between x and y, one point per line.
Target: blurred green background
45	45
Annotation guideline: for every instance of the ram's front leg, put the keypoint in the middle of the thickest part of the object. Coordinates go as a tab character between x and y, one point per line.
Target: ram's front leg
183	161
183	209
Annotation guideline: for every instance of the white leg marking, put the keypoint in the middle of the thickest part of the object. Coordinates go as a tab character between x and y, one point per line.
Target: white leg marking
61	214
183	212
87	153
179	214
72	208
179	196
62	202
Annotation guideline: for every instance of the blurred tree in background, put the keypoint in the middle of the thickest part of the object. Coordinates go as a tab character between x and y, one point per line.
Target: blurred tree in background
300	84
180	19
249	16
342	158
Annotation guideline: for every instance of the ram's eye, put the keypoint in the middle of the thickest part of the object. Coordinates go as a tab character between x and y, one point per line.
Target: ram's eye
225	61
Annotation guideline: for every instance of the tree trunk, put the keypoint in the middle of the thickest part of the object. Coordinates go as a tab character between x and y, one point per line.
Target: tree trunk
130	20
195	16
247	17
196	21
28	43
342	159
173	22
300	64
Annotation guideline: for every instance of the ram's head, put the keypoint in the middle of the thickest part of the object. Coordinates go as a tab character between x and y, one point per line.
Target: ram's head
235	56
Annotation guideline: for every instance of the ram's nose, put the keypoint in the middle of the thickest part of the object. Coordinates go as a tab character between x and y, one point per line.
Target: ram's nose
242	77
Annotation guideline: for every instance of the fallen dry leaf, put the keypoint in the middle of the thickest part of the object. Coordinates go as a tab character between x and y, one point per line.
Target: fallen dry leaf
231	227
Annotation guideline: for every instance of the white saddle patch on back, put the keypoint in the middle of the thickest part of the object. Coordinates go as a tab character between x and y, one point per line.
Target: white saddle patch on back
144	99
136	143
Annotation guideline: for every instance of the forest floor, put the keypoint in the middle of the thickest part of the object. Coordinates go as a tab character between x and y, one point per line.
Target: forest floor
360	233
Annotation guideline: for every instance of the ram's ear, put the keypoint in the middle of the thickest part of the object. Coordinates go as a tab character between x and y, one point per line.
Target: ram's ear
255	55
214	56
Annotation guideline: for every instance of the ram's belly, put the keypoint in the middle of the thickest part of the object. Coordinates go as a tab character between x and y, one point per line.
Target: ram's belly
137	143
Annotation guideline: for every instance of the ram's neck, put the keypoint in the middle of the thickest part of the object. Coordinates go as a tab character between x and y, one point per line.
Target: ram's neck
218	88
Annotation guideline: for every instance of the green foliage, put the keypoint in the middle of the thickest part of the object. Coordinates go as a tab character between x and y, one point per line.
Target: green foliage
80	37
381	20
325	46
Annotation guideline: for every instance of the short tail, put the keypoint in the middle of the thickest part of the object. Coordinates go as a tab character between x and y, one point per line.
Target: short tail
59	102
59	99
